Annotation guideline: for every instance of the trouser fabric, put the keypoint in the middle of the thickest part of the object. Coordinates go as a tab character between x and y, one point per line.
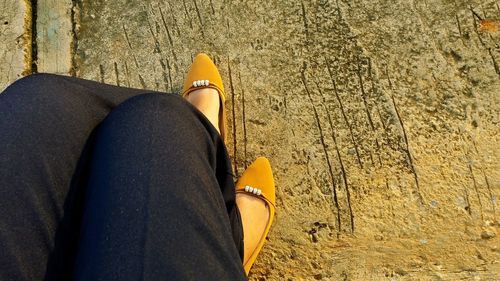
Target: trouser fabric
99	182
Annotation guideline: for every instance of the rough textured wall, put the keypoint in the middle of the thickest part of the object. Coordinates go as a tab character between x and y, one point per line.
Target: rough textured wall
380	118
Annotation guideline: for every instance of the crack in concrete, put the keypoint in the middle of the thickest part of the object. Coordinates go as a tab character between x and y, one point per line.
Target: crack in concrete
75	14
30	51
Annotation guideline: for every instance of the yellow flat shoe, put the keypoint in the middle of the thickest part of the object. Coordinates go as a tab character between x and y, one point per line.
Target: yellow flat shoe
258	181
204	74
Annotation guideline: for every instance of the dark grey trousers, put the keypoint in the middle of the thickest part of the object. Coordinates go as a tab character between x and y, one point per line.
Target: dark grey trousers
99	182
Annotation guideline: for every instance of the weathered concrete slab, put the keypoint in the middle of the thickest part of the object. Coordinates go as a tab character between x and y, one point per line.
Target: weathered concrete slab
379	118
54	28
15	44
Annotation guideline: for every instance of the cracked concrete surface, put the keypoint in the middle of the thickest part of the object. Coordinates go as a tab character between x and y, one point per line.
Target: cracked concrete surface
380	118
14	41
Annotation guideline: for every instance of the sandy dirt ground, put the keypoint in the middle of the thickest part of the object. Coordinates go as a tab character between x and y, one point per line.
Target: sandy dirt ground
380	118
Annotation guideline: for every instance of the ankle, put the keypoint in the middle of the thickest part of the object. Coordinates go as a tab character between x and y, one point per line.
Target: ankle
207	101
254	216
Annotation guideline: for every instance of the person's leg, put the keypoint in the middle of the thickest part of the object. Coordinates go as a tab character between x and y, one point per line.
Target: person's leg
208	102
254	212
45	123
160	190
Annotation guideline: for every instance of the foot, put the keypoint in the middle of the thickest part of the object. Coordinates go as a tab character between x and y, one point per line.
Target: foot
254	217
208	102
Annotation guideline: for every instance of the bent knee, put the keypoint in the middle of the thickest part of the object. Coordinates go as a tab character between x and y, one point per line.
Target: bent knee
154	103
40	85
36	79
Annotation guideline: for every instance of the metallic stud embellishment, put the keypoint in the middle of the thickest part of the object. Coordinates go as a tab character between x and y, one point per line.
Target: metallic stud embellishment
253	190
199	83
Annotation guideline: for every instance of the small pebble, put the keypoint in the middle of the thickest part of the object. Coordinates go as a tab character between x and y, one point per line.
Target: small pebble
318	276
487	234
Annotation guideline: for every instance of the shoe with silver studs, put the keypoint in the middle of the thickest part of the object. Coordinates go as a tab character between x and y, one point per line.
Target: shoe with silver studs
203	73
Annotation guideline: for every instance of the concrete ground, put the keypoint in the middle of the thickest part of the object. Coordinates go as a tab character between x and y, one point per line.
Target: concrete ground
380	118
